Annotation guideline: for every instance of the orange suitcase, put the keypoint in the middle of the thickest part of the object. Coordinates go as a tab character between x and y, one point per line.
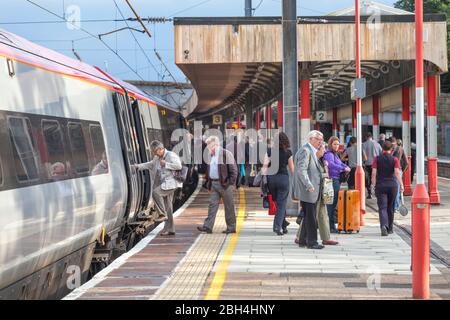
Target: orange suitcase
349	207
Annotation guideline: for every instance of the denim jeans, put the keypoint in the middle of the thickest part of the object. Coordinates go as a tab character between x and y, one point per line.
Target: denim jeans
332	207
279	188
397	197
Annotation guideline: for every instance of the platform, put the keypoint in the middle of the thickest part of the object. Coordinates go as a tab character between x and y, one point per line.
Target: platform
255	263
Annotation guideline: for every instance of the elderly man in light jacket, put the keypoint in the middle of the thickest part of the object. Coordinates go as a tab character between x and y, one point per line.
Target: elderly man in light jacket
162	169
307	178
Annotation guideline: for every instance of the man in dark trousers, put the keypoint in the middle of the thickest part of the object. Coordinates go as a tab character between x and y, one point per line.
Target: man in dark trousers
221	175
307	186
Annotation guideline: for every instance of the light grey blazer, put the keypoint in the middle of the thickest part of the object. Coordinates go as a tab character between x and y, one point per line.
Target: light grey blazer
173	163
307	173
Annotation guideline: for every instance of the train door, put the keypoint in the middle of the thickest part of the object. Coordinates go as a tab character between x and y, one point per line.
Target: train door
144	153
127	132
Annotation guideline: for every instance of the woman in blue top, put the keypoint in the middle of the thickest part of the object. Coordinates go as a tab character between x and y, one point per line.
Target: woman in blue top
335	167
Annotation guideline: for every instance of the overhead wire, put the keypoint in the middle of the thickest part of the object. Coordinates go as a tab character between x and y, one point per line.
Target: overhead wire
189	8
87	32
136	40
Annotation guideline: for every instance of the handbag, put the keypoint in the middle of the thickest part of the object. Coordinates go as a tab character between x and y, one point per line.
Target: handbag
272	205
266	203
258	179
242	170
327	190
343	177
403	210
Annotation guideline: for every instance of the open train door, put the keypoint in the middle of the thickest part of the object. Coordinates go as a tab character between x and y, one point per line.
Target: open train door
130	154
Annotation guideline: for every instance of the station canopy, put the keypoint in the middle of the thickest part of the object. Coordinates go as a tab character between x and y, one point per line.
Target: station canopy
233	60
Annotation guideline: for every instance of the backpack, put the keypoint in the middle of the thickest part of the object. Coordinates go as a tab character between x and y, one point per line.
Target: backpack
181	175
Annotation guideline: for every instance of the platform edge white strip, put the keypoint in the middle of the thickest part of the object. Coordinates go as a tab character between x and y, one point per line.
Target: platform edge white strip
99	277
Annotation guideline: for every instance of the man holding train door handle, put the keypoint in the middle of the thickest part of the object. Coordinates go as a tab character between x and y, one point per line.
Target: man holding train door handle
162	171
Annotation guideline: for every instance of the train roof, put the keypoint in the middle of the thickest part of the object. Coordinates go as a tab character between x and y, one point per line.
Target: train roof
20	49
138	93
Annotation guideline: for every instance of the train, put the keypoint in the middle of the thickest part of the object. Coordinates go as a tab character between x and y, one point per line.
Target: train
70	197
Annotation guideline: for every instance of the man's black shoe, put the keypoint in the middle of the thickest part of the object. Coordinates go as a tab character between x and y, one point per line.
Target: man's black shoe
285	230
316	246
204	229
228	231
301	244
384	231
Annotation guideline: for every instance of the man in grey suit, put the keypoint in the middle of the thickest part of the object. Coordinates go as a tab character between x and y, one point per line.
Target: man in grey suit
307	178
162	169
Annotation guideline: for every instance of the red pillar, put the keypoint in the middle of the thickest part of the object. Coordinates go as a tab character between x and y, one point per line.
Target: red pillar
406	137
305	112
258	119
269	117
376	116
420	242
359	173
317	126
280	113
435	197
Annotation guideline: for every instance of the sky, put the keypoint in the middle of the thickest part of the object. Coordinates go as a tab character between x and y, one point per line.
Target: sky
131	62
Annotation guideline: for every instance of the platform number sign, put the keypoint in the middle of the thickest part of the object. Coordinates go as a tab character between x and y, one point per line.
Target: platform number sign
217	119
321	116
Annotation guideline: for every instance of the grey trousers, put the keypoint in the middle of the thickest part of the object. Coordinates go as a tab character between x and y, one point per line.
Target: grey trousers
323	221
164	206
217	192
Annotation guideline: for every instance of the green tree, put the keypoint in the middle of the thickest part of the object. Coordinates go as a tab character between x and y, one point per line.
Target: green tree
433	6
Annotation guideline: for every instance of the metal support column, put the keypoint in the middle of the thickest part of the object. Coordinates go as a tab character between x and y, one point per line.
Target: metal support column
406	137
435	197
290	82
376	116
335	123
305	111
248	8
359	174
420	242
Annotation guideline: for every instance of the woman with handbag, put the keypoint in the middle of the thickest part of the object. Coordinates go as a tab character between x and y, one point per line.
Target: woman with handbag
335	168
326	196
279	183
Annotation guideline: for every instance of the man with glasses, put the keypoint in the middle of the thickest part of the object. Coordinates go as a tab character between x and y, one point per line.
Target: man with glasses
307	178
162	169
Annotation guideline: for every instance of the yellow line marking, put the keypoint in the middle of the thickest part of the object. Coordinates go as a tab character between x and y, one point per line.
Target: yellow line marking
221	272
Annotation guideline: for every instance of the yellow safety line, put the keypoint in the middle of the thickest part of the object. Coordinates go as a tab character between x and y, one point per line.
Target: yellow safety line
221	273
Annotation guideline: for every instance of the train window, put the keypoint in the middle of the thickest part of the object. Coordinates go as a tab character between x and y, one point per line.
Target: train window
78	148
99	150
55	147
24	149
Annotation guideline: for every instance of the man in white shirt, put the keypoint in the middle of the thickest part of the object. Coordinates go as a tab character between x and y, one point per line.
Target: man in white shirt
221	178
